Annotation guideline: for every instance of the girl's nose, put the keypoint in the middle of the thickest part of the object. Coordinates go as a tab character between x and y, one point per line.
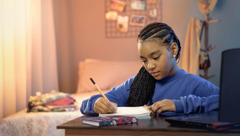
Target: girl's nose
151	66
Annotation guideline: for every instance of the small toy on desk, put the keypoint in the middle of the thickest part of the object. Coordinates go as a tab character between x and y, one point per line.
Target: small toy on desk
109	120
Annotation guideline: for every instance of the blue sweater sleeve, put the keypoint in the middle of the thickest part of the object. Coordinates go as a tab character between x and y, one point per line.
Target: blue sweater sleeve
205	99
87	105
117	95
196	104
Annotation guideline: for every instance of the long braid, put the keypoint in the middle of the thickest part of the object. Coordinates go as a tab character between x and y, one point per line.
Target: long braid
142	88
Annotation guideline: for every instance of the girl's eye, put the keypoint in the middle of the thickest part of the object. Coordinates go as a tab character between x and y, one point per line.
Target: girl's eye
156	58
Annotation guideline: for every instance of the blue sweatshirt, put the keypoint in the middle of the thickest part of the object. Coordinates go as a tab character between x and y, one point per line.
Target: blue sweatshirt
190	93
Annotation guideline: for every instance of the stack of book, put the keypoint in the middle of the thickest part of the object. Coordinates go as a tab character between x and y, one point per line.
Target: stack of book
109	120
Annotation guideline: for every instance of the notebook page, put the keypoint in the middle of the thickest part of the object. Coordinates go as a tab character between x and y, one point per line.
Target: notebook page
130	111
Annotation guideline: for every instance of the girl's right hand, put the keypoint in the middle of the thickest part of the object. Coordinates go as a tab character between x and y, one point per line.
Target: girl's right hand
103	106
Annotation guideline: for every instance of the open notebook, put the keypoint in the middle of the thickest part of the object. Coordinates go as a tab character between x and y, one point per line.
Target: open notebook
139	112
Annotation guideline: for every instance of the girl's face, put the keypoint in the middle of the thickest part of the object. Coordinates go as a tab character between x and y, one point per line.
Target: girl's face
157	58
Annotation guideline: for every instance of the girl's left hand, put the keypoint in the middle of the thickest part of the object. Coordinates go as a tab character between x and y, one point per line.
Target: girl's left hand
162	106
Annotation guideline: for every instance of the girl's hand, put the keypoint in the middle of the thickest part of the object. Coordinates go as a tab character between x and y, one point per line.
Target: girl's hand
103	106
162	106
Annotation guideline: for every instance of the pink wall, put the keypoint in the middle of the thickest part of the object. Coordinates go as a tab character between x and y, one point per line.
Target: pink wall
80	32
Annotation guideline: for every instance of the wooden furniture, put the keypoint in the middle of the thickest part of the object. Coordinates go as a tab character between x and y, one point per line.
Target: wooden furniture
153	126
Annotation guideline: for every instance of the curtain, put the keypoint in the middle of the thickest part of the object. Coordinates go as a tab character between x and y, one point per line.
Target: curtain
27	52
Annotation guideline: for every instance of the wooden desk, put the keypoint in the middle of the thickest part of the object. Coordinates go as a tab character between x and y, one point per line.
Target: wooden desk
149	127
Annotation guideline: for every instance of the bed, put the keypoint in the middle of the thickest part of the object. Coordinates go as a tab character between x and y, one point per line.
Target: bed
106	74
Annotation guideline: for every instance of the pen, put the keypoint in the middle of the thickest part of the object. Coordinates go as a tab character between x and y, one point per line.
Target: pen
98	89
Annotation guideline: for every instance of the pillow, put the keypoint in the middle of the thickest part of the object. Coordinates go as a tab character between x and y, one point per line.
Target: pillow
106	74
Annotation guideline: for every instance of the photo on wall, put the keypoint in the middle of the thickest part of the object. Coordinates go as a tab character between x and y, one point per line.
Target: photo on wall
137	20
152	13
122	24
138	4
118	5
111	15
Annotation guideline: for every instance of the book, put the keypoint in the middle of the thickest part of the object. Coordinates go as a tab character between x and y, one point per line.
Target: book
109	120
138	112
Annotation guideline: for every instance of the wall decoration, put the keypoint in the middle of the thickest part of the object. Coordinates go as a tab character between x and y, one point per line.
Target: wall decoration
122	24
137	20
152	13
138	4
126	18
118	5
111	15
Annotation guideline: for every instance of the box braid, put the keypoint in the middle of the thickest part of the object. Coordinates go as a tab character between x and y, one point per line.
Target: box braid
142	88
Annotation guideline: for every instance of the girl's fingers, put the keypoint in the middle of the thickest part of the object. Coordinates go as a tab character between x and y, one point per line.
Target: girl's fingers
103	106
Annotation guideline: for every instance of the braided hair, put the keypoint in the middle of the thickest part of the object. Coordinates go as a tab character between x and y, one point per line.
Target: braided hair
142	88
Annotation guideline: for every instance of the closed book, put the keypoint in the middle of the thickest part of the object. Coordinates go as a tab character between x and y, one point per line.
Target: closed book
109	120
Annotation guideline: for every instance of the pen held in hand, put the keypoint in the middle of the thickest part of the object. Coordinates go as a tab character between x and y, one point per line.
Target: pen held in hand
98	89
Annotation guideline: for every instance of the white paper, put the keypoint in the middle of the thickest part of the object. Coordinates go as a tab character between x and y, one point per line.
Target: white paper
139	111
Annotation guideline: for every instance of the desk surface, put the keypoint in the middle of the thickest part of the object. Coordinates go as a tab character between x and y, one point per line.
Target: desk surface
153	126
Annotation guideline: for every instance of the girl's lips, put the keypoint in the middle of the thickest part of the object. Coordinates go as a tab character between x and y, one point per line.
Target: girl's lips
154	74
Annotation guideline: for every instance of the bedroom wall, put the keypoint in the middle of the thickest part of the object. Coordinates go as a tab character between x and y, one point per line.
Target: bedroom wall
80	34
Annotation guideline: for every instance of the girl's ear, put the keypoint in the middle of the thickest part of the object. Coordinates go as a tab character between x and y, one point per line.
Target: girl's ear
174	49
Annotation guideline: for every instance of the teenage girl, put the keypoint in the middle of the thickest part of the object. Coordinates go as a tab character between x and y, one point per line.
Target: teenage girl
159	83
